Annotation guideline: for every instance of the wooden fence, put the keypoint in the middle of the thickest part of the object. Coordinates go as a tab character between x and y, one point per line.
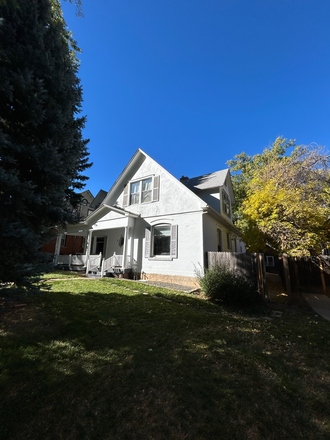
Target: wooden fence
251	266
307	274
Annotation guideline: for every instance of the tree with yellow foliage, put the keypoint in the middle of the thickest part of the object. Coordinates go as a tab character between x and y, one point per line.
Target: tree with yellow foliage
287	203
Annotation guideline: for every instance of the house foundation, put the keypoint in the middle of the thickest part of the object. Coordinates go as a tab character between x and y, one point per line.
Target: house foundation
191	282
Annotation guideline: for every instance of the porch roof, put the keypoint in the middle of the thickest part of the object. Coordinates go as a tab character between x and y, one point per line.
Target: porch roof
101	211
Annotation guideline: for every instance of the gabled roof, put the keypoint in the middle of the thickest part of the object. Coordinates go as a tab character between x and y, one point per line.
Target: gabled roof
207	181
136	161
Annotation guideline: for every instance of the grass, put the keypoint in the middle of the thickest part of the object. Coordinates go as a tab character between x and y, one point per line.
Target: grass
61	274
111	359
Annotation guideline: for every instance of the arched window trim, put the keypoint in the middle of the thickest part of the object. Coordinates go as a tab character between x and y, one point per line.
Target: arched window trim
150	242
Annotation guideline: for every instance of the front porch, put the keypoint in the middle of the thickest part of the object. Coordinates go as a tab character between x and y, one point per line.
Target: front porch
108	247
95	265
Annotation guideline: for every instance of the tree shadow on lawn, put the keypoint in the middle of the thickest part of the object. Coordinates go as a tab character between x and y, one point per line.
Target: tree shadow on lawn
111	366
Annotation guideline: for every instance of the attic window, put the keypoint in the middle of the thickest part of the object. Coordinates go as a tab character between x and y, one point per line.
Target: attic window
142	191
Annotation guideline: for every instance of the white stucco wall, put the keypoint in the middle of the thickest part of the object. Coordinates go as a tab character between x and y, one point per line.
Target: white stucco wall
190	246
210	226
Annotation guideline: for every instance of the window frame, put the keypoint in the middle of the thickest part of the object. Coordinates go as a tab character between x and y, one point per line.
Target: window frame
150	244
154	228
63	240
270	258
229	244
225	203
139	195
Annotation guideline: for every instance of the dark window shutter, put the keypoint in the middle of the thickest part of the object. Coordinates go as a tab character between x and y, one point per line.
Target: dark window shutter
174	241
155	192
147	243
125	201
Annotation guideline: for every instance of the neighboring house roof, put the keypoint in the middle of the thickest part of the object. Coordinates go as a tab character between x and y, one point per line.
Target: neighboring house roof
206	181
87	193
98	199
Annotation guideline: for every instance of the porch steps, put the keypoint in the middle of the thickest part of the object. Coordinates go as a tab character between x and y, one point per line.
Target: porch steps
94	274
97	274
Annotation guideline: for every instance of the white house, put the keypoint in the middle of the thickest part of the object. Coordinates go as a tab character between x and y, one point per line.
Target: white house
152	225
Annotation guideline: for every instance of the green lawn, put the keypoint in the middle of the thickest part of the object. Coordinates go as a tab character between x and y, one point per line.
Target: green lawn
111	359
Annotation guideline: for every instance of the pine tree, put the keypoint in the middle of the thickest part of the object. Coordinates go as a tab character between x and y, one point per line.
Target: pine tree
42	151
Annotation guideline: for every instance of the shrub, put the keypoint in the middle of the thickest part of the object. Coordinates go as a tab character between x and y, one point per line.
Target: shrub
229	287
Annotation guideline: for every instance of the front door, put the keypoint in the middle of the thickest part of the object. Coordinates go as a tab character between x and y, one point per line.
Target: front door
100	245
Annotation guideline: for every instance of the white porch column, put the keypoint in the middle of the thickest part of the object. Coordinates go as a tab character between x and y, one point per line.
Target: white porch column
57	248
88	249
125	248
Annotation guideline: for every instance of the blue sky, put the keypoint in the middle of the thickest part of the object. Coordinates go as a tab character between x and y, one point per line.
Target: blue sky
194	82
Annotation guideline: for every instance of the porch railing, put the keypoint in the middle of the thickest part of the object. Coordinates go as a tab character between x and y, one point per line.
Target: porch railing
71	260
63	259
94	262
130	262
113	261
78	260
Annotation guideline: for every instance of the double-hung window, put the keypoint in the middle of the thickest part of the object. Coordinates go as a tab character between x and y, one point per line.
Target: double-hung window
146	190
135	193
162	241
141	191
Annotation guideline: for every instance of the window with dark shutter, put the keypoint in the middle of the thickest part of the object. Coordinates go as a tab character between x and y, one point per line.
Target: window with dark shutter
125	201
147	243
174	241
155	193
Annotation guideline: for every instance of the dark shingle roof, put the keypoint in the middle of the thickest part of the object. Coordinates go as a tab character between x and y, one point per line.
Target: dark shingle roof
212	180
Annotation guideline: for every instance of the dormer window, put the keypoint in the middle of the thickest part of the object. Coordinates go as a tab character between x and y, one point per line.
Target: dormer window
225	203
141	191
